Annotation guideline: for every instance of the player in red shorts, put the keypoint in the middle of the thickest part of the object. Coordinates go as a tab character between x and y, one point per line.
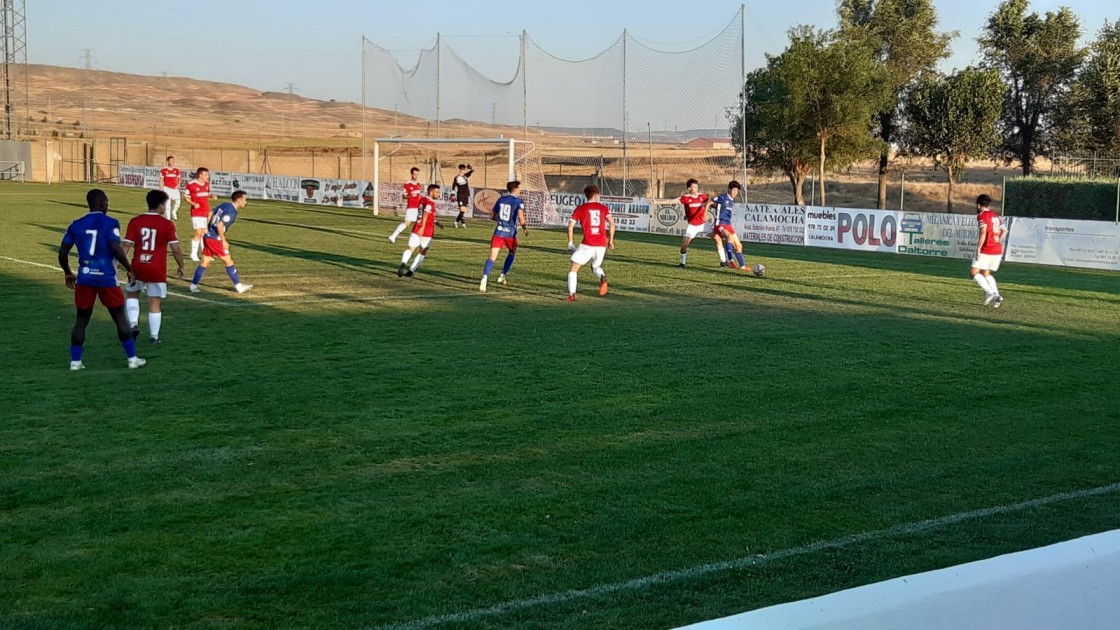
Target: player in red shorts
151	234
724	231
215	244
170	176
412	190
96	238
509	212
591	217
421	237
199	196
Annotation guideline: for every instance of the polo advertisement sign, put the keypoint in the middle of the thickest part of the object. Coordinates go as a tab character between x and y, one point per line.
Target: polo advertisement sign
938	234
867	230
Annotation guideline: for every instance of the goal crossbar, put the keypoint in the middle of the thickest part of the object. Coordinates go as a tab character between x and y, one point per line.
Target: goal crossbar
377	142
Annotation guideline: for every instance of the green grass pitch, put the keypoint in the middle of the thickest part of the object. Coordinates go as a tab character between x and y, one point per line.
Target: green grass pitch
341	448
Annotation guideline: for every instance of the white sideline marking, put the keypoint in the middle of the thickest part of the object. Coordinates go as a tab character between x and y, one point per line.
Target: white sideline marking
701	570
28	262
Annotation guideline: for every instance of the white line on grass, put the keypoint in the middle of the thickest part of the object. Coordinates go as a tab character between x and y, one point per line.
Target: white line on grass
28	262
745	562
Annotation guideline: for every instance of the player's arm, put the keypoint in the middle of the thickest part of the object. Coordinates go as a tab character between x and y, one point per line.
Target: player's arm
64	260
178	253
521	220
610	232
571	234
220	227
122	259
470	171
981	238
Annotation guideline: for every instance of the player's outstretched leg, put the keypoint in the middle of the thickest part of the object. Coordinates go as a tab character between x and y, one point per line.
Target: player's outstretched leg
506	266
397	232
197	278
602	276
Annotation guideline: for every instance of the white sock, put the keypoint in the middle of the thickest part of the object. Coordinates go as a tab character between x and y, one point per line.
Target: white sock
175	208
416	263
397	232
195	244
684	257
722	254
598	271
979	278
154	321
571	283
992	285
405	256
132	308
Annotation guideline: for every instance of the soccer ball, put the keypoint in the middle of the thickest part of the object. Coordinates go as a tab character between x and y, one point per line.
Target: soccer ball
759	270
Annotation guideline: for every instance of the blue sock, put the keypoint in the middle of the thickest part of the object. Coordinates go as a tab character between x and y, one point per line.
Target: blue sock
507	264
75	353
129	346
232	271
739	257
730	251
488	267
198	275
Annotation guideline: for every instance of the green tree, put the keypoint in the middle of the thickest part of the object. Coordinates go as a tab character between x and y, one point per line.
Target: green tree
834	85
775	140
1089	119
902	37
955	118
1038	57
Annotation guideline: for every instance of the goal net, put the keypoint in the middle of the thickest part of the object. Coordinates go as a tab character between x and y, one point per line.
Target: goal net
492	163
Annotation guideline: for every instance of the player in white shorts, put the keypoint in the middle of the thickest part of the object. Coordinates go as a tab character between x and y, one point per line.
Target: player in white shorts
597	224
989	251
412	204
171	176
149	236
421	236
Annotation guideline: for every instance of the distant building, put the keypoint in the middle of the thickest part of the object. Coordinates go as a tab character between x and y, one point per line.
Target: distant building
708	143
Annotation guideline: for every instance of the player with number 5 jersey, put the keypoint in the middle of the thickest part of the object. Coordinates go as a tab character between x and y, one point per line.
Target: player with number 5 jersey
597	224
148	236
509	212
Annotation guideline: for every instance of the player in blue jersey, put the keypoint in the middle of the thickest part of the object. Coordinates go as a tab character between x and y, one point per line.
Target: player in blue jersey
724	234
215	245
509	212
97	239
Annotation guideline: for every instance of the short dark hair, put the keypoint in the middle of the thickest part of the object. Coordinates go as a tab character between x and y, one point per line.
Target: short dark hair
983	201
590	190
170	157
734	184
690	182
156	198
414	169
432	187
462	166
201	169
510	186
95	197
237	194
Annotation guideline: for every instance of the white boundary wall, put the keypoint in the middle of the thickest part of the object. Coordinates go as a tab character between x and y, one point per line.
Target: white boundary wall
1074	584
1082	244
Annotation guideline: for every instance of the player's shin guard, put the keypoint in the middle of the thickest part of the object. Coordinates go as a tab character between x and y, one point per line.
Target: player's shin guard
980	280
729	250
196	244
132	308
598	271
397	232
992	284
572	280
488	267
722	255
198	275
739	259
231	271
508	264
154	321
75	352
405	256
129	346
416	263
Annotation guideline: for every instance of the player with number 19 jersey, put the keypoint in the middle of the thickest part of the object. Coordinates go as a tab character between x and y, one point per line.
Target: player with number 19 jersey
150	235
507	212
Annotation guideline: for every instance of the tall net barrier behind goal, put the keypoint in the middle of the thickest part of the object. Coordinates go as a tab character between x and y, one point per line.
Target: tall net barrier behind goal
491	164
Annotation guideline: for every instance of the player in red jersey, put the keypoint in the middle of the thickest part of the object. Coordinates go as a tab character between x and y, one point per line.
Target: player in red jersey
591	217
412	197
421	237
150	233
199	196
170	176
696	213
989	250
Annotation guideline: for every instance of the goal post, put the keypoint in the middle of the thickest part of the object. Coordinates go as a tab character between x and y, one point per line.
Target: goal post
430	158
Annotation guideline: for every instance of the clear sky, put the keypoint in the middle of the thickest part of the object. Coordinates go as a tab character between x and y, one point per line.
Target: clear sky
316	45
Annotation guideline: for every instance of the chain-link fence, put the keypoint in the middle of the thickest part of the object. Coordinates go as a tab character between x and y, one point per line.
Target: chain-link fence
1091	199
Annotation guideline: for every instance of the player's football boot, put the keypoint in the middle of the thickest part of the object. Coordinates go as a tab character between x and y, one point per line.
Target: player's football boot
156	341
408	274
392	238
482	285
194	288
603	285
241	288
77	365
732	264
136	362
502	279
401	270
997	302
572	297
989	299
